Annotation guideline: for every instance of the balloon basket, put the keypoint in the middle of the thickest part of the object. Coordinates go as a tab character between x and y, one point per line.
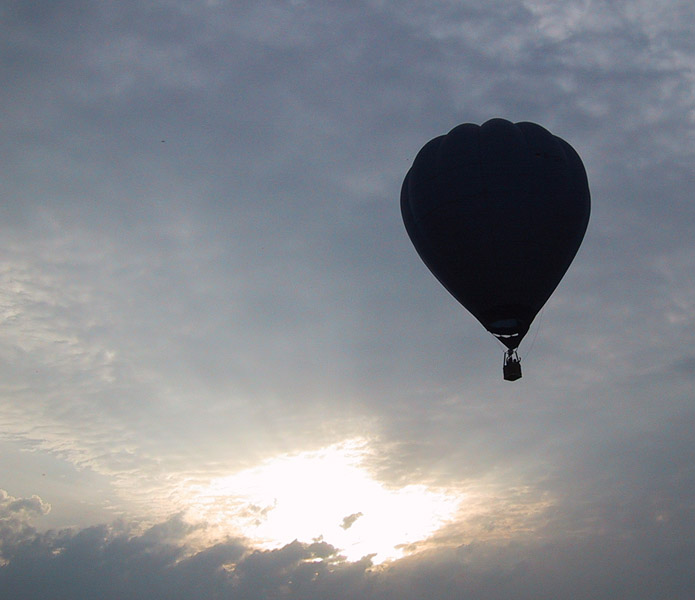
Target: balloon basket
511	369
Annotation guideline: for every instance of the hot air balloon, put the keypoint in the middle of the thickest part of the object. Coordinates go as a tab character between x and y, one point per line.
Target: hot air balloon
497	212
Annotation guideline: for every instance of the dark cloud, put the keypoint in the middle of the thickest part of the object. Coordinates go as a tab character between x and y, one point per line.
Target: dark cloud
21	508
102	562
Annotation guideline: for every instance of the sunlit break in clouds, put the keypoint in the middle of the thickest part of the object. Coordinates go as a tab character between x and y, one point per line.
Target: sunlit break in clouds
326	495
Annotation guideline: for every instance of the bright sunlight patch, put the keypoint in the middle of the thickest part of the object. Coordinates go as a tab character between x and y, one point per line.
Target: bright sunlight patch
324	495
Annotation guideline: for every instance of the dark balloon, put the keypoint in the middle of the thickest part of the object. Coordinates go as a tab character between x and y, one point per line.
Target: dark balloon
497	212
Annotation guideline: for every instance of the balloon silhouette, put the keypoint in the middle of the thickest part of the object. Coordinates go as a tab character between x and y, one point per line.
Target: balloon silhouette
497	212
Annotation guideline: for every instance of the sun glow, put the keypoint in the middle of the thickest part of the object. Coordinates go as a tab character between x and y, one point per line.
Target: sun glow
324	495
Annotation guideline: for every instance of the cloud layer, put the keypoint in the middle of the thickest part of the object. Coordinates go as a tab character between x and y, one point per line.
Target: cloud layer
203	267
101	562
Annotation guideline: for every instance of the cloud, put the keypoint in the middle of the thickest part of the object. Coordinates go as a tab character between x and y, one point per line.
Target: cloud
613	519
111	562
21	509
16	521
350	520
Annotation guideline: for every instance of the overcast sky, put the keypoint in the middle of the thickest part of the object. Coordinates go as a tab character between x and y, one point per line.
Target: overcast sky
224	370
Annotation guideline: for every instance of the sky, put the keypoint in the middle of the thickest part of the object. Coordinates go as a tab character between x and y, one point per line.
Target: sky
225	372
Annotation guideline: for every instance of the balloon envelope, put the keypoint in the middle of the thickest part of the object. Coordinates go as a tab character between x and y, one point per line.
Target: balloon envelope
497	212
